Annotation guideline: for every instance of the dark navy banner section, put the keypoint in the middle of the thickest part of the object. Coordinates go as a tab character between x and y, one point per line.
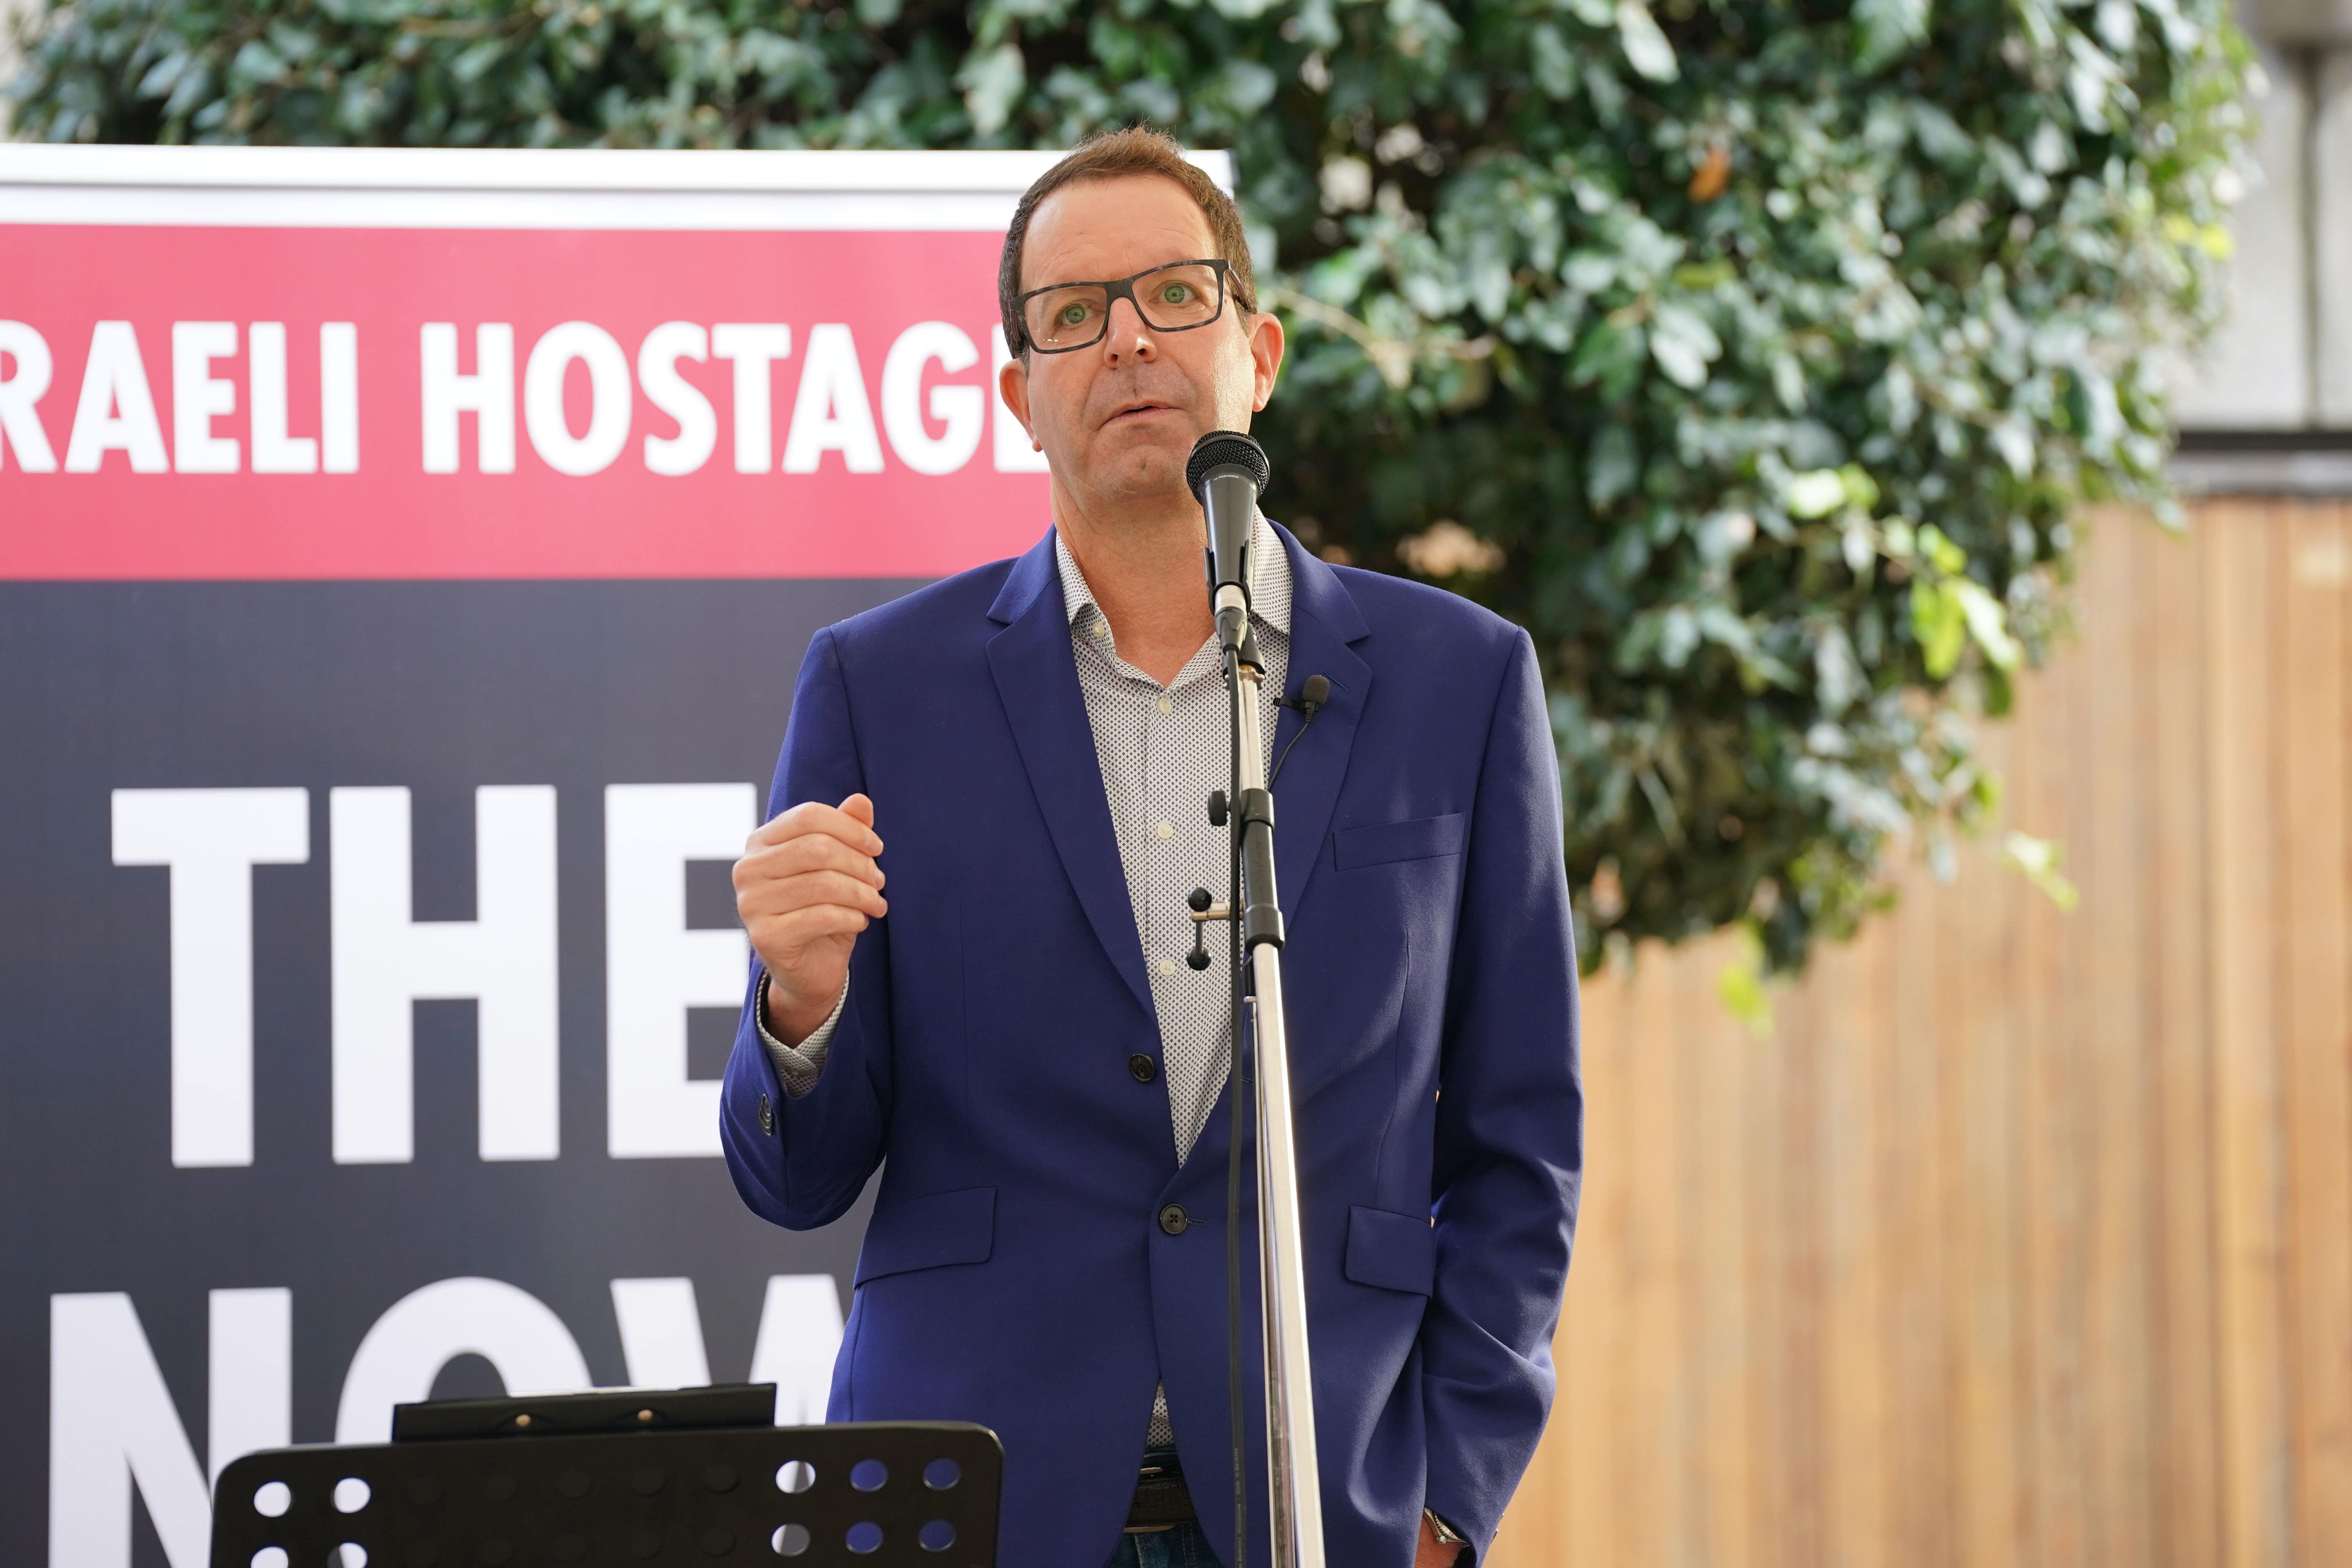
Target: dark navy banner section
371	965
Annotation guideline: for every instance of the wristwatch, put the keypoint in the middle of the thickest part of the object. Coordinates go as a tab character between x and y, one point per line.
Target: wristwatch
1442	1531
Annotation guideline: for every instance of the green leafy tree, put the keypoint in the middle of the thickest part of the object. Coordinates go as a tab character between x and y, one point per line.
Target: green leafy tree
1756	355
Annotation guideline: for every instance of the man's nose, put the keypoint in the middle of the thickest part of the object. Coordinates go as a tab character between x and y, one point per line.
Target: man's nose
1135	340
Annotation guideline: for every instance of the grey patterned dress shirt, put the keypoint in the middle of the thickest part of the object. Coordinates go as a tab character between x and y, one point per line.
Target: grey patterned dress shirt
1161	750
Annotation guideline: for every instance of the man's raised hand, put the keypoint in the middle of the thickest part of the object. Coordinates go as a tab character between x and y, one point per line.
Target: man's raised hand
806	886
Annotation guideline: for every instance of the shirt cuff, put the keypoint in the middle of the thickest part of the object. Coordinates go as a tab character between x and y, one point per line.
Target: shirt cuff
797	1066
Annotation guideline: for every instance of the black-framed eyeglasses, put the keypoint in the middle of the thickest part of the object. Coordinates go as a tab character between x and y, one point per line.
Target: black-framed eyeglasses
1177	297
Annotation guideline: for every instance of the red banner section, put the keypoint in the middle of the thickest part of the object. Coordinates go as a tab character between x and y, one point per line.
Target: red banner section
279	403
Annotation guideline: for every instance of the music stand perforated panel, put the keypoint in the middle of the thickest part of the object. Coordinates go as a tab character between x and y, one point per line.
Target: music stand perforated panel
709	1499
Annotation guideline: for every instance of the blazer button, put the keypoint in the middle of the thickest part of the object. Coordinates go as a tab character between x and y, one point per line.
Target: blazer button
1174	1219
767	1116
1144	1069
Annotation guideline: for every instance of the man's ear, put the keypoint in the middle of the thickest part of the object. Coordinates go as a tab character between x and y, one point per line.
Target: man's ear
1266	345
1012	385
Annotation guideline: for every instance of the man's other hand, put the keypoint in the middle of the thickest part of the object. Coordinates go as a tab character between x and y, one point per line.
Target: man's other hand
806	886
1430	1552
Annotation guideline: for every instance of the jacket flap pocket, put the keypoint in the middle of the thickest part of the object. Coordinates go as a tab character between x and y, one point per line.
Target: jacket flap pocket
1392	1251
1415	840
930	1233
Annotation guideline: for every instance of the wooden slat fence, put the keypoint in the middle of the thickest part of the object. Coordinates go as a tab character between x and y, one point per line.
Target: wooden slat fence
2026	1240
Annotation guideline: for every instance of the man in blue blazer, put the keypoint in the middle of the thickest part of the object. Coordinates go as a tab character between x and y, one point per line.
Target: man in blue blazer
1009	1034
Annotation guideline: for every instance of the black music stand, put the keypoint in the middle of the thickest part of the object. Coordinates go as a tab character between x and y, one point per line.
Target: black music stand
618	1479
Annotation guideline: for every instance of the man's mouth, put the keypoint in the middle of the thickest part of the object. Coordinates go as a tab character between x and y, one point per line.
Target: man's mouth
1139	410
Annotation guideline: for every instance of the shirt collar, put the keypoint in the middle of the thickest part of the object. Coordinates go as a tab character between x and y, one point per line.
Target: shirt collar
1269	569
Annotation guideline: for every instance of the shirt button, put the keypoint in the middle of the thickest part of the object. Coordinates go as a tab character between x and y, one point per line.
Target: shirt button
1165	705
1164	831
1166	968
1143	1067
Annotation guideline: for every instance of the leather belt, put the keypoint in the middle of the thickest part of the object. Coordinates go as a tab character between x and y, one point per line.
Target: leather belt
1162	1502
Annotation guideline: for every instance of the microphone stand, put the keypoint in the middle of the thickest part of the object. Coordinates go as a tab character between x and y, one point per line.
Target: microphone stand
1293	1484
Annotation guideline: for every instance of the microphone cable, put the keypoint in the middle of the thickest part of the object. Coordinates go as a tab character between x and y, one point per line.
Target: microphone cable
1238	1081
1313	692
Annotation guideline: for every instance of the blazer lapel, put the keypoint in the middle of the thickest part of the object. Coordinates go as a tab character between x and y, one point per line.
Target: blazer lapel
1324	620
1037	680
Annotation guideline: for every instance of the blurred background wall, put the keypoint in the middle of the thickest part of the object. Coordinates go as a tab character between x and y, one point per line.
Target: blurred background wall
2279	380
2025	1239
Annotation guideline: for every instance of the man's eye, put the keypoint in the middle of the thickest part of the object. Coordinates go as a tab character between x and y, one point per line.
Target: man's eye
1073	315
1175	293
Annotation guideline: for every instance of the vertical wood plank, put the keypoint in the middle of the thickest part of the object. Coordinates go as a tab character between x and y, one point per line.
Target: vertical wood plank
2309	580
1595	1323
1806	1456
1976	1050
2047	1110
1906	1046
2237	548
2168	639
1651	1461
2107	822
1711	1052
1775	1194
1852	1317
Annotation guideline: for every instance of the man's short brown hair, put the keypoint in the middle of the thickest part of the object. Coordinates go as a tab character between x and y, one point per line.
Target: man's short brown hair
1138	150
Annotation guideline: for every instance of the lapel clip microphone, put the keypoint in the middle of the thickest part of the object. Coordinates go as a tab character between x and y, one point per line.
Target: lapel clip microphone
1314	691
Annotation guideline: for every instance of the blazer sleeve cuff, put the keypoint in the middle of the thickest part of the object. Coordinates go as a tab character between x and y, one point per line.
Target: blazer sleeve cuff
798	1067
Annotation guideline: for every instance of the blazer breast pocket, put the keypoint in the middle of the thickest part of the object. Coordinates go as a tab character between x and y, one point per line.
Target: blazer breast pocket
930	1232
1422	838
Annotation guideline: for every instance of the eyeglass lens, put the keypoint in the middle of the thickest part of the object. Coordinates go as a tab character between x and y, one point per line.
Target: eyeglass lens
1172	299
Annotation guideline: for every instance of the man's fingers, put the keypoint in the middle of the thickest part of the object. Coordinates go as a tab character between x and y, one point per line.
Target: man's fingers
809	852
860	807
805	925
815	817
810	889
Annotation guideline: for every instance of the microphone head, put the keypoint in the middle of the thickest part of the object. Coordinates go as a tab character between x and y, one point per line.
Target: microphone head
1218	448
1316	693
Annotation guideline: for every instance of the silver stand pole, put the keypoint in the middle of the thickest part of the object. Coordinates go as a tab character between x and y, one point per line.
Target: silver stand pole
1293	1484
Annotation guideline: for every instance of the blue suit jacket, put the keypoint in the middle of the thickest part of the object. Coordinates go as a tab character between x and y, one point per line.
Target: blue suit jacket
1014	1273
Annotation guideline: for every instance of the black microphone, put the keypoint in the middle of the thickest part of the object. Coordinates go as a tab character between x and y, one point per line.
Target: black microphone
1226	472
1314	693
